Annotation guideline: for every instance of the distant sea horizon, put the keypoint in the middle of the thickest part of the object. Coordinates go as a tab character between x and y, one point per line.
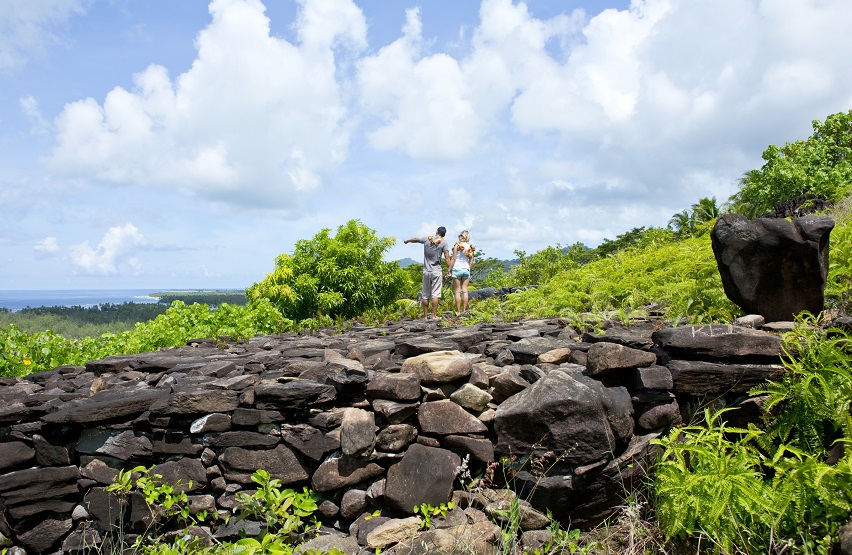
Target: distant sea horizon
15	300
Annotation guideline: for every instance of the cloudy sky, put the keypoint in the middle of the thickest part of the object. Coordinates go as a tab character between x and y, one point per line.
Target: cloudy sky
163	144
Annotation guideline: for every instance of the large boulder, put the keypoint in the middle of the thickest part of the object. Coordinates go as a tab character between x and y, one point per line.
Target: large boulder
567	413
773	267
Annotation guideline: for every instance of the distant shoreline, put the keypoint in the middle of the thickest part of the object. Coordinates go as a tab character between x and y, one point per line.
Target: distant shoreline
17	299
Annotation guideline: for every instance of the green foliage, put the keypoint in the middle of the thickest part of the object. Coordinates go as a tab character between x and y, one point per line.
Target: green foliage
838	290
759	491
681	275
166	503
283	510
821	165
212	298
343	275
692	222
78	321
811	403
23	353
628	239
706	481
541	266
427	512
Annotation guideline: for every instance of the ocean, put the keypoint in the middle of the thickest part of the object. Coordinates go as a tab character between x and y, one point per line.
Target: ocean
17	299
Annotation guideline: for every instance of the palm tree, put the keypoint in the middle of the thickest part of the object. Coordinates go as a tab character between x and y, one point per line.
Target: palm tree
682	223
705	210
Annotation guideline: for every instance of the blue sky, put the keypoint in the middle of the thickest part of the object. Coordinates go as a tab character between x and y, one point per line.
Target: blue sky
162	144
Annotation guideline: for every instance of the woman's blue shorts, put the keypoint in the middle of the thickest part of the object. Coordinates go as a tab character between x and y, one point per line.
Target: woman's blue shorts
461	273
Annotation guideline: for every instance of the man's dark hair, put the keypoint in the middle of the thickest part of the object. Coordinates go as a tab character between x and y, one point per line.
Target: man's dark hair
442	231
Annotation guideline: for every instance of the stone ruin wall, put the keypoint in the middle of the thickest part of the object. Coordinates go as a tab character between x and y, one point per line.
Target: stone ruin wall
374	418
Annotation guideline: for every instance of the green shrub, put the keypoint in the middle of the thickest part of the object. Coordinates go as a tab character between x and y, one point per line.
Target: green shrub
343	275
761	491
822	165
681	275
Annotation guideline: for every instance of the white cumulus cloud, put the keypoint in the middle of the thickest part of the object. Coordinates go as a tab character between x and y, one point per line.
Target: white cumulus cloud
255	120
117	246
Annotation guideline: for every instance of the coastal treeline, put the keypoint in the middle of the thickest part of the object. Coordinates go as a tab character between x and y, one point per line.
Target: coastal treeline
81	321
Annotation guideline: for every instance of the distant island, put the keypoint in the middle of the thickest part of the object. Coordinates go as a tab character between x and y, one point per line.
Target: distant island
212	297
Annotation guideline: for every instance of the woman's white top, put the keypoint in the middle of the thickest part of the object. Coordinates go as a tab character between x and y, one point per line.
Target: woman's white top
462	259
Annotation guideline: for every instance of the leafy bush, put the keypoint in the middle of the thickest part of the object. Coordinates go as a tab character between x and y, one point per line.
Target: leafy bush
22	353
760	491
822	165
682	275
343	275
541	266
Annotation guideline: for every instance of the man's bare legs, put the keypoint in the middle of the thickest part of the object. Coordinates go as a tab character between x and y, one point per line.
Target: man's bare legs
435	301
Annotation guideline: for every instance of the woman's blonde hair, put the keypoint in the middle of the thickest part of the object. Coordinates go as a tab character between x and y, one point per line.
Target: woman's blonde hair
464	236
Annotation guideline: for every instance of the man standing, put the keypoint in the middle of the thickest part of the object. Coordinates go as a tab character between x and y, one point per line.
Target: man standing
433	275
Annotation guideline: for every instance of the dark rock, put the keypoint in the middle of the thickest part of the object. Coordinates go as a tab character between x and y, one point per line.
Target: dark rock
480	449
242	439
253	417
308	440
295	394
197	402
447	418
424	475
527	350
651	377
239	464
393	411
398	387
105	406
566	412
47	454
396	437
340	472
604	358
773	267
709	378
719	341
658	416
15	453
44	535
187	475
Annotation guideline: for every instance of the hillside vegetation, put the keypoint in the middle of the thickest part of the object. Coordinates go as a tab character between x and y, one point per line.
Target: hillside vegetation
772	490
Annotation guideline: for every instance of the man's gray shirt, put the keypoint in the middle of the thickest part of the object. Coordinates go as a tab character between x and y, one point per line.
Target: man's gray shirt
432	254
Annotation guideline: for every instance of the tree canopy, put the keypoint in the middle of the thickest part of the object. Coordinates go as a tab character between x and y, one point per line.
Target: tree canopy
820	165
342	275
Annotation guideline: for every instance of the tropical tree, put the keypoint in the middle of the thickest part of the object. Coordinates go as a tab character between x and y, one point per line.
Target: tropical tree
705	210
820	165
682	224
337	276
689	222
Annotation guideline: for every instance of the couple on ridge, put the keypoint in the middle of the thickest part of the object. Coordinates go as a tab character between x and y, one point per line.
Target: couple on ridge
460	264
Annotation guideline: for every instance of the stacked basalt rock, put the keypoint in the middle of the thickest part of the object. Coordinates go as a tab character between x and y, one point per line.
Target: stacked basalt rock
373	419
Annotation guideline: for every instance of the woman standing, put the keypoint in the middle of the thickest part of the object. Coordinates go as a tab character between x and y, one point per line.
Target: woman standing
460	267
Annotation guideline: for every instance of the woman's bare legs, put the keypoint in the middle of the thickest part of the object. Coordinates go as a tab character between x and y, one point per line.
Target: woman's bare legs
457	294
464	295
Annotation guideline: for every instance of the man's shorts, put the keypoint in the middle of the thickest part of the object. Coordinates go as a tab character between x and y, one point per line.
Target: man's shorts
432	285
461	273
